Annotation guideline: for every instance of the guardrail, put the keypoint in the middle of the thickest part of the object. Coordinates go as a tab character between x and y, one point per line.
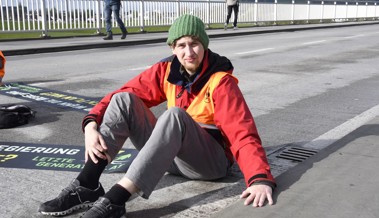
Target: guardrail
62	15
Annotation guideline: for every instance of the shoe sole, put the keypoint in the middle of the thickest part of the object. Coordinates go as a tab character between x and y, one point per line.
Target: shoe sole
69	211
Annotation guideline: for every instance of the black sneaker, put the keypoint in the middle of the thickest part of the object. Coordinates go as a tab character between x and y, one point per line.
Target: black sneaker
124	34
108	37
103	208
72	198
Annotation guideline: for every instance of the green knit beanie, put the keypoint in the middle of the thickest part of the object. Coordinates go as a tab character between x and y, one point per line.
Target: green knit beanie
188	25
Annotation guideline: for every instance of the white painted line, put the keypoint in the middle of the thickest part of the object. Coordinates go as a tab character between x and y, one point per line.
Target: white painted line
342	130
254	51
314	42
140	68
355	36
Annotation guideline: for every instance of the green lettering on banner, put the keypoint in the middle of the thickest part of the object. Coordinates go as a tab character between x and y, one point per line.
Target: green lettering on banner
4	88
123	157
75	166
21	87
40	164
56	162
59	165
35	159
116	166
53	159
28	88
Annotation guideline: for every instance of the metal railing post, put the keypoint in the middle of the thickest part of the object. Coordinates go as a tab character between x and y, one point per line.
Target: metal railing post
275	11
308	11
322	11
142	12
255	12
208	14
356	12
178	8
292	11
44	33
99	23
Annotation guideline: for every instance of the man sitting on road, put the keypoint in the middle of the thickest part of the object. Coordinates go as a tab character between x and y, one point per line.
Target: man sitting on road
206	127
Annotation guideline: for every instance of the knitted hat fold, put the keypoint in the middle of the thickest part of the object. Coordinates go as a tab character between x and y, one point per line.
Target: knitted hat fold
188	25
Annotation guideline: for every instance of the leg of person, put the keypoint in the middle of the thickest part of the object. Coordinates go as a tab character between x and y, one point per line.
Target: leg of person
118	119
235	11
126	116
177	144
228	17
108	21
116	12
177	140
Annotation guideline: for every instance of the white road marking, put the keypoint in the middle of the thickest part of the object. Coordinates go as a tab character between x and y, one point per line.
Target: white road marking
342	130
254	51
355	36
140	68
314	42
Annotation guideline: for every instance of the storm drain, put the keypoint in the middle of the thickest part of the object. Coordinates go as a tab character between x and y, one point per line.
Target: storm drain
296	154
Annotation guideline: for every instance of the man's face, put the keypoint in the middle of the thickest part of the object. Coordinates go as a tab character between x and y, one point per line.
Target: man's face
190	53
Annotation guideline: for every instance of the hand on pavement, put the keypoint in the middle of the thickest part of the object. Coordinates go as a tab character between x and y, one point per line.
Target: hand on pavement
257	194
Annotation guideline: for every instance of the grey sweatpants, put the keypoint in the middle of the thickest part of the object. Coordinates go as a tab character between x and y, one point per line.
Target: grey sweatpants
172	143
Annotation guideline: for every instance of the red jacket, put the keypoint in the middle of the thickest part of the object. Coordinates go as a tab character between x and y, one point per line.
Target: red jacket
232	115
2	65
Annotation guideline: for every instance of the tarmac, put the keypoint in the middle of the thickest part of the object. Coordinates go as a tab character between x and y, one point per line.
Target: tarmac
340	180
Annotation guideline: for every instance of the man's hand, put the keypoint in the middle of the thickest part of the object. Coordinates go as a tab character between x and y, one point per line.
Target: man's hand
95	144
257	194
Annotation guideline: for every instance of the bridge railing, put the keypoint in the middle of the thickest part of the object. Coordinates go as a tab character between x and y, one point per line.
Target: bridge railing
62	15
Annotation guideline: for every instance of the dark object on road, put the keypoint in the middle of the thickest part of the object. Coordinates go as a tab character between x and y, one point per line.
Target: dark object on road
15	115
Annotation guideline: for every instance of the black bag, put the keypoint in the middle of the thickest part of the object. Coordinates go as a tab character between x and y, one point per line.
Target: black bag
14	115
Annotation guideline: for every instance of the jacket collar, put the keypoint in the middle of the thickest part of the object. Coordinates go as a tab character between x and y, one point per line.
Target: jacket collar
211	64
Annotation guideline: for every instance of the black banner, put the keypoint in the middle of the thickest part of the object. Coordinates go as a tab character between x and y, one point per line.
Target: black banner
56	157
47	96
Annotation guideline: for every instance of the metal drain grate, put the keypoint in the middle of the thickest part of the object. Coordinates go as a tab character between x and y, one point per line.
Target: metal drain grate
296	154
